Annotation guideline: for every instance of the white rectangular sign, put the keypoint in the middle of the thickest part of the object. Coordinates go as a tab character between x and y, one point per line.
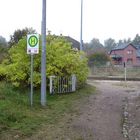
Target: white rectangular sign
33	44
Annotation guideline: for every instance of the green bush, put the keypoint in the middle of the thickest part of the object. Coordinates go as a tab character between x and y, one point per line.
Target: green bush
62	60
99	58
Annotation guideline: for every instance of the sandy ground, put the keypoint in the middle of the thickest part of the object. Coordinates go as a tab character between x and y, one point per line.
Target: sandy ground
109	109
102	116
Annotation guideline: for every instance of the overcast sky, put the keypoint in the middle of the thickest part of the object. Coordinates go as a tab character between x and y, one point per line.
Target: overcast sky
102	19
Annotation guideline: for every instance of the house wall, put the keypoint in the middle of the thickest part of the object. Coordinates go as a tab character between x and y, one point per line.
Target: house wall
127	56
138	61
117	52
130	56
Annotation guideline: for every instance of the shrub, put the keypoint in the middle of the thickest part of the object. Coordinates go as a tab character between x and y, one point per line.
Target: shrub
62	60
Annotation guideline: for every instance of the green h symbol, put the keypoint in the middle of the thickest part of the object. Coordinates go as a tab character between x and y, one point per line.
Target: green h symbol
33	41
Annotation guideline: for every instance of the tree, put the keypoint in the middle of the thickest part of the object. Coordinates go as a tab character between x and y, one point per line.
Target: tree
61	61
19	34
3	42
99	58
127	40
136	40
120	42
109	44
3	47
94	46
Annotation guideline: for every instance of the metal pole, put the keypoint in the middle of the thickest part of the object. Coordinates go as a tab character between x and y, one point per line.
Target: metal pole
31	94
43	57
81	30
125	73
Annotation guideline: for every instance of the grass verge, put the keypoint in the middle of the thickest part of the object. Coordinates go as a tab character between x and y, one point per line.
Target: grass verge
18	119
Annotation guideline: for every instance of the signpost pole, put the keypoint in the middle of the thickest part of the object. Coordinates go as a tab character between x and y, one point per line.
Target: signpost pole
32	48
43	56
125	71
31	94
81	30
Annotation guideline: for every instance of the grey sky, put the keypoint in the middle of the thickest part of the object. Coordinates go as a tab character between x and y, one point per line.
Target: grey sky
118	19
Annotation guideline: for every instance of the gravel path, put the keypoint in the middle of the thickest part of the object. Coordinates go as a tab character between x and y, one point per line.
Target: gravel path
103	117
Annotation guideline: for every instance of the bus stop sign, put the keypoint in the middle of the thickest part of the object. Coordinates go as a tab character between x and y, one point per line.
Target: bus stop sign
32	44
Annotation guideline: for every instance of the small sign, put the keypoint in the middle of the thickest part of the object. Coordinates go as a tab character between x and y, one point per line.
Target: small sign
32	44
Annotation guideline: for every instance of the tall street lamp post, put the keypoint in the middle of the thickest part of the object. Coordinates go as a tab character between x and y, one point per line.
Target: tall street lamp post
81	29
43	55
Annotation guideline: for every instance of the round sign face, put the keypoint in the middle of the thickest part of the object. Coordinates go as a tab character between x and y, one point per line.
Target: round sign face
33	40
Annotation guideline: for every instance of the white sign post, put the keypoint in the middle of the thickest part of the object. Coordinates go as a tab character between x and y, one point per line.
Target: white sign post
32	48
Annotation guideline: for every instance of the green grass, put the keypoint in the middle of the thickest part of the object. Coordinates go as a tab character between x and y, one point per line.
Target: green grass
18	118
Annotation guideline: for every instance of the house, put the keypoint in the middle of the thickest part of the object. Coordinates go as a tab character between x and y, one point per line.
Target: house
128	53
75	43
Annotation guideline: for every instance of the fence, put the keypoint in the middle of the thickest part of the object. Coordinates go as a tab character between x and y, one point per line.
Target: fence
114	71
62	84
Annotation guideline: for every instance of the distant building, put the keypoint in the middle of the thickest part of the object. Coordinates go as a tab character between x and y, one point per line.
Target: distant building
75	43
128	53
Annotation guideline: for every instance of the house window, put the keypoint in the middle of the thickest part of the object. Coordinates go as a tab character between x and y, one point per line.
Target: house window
130	52
129	61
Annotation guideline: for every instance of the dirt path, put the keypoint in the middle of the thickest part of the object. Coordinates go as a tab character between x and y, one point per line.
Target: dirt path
102	116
